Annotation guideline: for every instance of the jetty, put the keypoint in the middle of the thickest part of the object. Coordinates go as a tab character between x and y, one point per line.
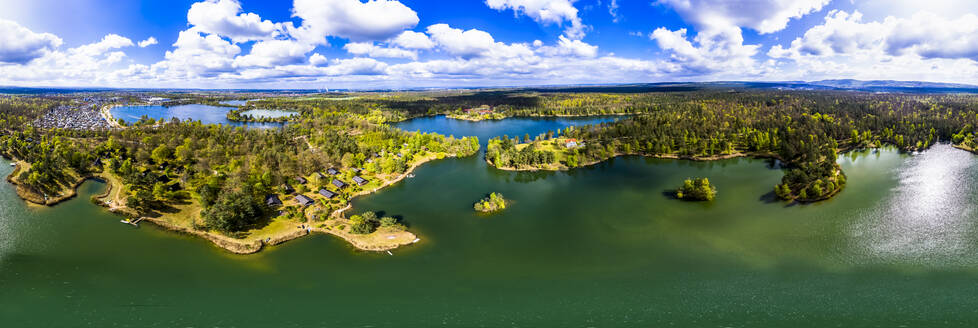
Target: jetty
134	223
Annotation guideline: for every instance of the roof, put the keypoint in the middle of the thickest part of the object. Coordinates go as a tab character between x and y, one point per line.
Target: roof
272	199
332	171
327	193
302	199
339	183
359	180
287	188
301	180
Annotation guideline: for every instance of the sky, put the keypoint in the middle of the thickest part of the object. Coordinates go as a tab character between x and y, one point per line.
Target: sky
406	44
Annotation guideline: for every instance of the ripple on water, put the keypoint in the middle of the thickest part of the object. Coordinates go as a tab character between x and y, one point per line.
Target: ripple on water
926	218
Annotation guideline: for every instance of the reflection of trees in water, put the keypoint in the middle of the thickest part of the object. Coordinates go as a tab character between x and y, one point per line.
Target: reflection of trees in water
531	176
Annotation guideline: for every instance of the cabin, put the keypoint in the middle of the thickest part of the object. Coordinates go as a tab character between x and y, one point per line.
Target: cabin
301	180
360	181
303	200
332	171
272	200
326	193
339	184
287	189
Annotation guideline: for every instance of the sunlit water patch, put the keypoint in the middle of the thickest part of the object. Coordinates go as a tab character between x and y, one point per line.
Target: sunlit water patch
928	216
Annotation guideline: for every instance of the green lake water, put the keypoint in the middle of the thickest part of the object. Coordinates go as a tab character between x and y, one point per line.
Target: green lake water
603	246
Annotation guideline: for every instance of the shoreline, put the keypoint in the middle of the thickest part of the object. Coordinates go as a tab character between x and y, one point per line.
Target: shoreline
107	115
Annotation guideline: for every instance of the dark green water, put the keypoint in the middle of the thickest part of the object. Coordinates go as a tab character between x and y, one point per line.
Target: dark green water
594	247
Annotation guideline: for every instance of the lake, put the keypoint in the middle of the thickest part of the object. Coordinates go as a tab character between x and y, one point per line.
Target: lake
601	246
206	114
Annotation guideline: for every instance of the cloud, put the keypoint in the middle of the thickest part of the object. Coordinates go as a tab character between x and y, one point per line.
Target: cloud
224	18
613	10
924	46
318	60
148	42
546	12
710	51
273	53
19	45
568	47
109	42
719	41
474	43
374	20
196	55
413	40
924	34
372	50
764	16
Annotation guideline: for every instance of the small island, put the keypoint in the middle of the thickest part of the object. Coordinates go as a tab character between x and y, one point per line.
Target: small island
494	203
698	189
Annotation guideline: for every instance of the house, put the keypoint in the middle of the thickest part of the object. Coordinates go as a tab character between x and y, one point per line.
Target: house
339	184
320	175
332	171
359	180
301	180
287	189
326	193
272	200
303	200
572	143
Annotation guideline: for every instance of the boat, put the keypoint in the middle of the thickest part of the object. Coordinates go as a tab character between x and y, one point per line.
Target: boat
13	164
389	253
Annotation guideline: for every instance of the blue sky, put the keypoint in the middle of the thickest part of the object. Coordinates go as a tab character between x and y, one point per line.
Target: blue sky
417	43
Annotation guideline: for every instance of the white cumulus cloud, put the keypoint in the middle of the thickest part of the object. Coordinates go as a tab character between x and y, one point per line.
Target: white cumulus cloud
148	42
372	50
224	18
19	45
413	40
374	20
474	43
546	12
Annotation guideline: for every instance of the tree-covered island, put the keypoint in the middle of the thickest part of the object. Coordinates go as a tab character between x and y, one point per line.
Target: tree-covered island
698	189
493	203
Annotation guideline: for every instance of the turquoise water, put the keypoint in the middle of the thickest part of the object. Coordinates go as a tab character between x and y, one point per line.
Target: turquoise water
602	246
204	113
